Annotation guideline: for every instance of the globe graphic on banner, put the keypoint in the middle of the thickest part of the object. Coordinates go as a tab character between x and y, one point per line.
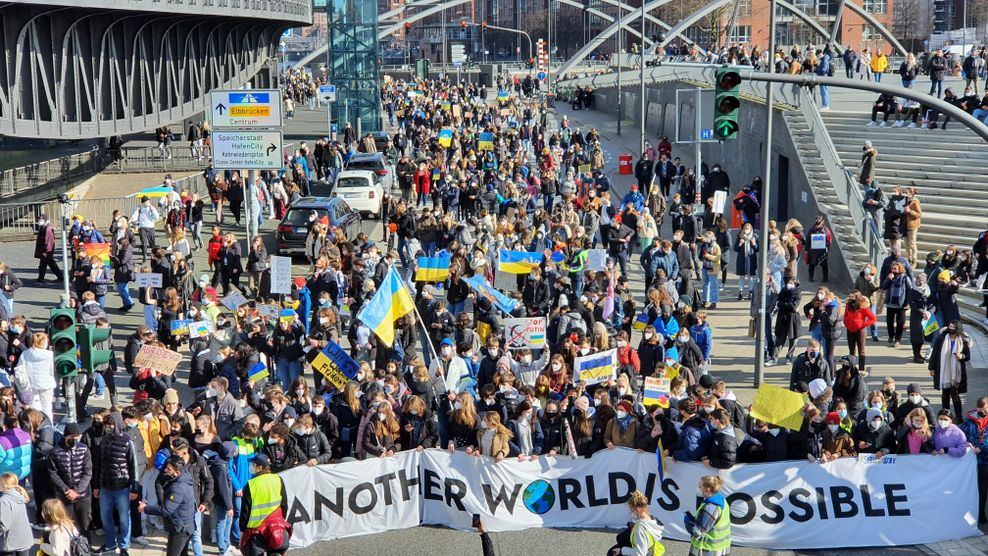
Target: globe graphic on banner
539	497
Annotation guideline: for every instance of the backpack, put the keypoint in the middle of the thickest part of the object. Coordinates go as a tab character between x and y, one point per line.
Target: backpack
79	546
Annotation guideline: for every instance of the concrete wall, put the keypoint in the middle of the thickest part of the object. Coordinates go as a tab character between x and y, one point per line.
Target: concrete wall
743	158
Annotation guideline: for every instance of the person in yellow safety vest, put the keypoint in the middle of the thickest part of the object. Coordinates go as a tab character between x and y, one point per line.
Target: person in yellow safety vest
710	528
264	496
646	531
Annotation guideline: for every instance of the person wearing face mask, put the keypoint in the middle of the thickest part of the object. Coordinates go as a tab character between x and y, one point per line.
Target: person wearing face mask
723	449
177	507
418	428
312	442
222	405
44	250
914	400
975	429
282	448
837	440
765	443
915	435
817	246
650	351
644	533
921	304
808	366
694	435
146	216
623	429
265	502
874	436
948	438
948	365
849	385
116	470
70	469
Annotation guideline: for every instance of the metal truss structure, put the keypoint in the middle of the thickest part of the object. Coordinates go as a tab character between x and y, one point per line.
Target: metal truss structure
714	5
75	73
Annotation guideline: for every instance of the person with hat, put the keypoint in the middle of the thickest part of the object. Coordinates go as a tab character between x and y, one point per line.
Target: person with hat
837	440
70	470
875	437
287	339
265	502
177	506
623	429
914	400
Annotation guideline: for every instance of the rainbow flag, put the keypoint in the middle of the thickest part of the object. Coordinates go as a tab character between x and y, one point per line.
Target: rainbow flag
258	371
101	250
391	302
432	269
517	262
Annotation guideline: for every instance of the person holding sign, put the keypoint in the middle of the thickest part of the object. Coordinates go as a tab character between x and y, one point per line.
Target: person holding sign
818	247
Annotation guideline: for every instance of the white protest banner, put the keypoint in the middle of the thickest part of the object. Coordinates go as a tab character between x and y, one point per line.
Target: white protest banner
281	274
148	280
720	201
233	300
200	329
268	311
596	367
525	333
328	502
818	241
597	260
784	505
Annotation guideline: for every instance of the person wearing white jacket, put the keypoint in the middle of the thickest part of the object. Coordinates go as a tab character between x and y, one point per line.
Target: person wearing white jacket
61	528
646	531
35	372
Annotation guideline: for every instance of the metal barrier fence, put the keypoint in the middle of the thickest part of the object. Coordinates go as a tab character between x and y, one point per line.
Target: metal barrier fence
174	158
65	169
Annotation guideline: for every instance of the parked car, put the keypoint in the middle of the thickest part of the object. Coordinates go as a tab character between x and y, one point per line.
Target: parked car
361	189
377	163
294	228
381	140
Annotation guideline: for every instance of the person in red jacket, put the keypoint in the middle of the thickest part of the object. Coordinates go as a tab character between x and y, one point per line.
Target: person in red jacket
213	253
627	355
423	182
858	316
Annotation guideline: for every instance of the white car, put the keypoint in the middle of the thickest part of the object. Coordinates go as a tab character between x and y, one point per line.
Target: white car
361	189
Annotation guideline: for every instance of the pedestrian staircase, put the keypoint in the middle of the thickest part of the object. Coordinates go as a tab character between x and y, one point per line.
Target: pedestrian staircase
833	190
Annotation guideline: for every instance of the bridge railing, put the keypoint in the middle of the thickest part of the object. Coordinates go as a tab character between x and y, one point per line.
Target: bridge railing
64	169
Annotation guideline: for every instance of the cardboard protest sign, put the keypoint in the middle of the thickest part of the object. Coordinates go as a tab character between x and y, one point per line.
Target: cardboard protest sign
161	359
779	406
281	274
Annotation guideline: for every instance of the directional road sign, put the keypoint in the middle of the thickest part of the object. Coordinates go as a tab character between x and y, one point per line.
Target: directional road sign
327	93
247	150
245	108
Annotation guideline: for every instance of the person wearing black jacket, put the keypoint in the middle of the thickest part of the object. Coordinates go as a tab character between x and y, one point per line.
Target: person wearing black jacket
656	427
312	442
536	295
849	385
937	70
70	470
282	449
618	243
287	340
765	443
723	450
874	436
643	173
115	467
198	471
418	428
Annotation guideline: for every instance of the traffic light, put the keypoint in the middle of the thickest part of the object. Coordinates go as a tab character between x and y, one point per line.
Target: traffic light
61	330
408	26
89	337
463	24
727	103
483	24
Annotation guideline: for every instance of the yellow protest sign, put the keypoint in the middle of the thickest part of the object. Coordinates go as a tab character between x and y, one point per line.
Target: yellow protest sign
779	406
484	331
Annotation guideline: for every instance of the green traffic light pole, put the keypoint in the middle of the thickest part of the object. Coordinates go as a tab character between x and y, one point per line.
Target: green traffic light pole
764	199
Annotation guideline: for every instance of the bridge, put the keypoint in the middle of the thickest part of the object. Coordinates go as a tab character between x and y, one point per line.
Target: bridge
76	70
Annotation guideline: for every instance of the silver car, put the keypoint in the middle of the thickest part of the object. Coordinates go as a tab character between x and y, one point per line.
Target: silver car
377	163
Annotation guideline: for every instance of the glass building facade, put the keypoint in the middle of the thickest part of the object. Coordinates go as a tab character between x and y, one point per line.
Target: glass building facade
352	63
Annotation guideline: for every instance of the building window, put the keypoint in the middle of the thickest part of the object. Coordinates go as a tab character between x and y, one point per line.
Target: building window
875	6
744	8
741	35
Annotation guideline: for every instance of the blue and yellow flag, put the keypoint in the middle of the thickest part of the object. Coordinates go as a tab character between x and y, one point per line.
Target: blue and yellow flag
432	269
503	96
485	141
656	392
518	262
501	301
660	457
258	371
391	302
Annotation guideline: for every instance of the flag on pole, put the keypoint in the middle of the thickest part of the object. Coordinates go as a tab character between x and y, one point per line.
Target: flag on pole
517	262
432	269
501	301
258	371
391	302
660	457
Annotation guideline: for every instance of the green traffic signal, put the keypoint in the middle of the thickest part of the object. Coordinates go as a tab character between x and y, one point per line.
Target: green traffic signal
61	330
727	103
89	339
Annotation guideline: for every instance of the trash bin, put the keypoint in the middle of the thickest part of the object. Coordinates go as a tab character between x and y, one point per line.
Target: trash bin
624	164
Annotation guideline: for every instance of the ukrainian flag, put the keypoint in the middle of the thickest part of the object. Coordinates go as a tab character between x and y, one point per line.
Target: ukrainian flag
432	269
258	371
518	262
391	302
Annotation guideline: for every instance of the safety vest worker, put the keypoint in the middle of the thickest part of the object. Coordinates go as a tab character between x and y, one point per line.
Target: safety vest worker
710	529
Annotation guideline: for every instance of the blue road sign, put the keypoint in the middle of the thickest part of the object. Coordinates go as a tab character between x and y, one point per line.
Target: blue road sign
250	98
333	128
706	134
541	76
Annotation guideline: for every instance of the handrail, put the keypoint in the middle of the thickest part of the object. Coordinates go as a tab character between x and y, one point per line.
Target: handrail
847	190
64	168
